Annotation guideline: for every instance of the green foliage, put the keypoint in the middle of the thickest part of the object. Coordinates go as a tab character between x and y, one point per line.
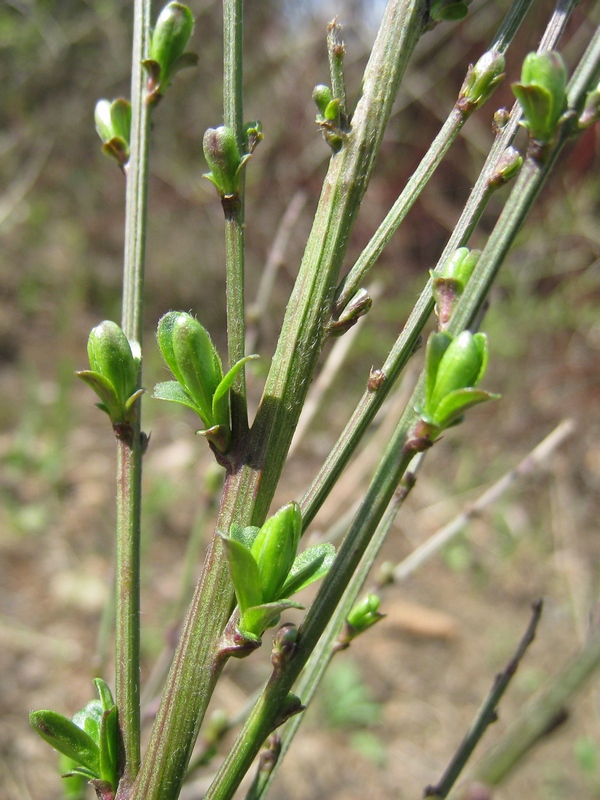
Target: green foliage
362	616
482	80
200	384
174	28
266	569
542	94
113	371
113	124
449	285
454	368
224	160
91	740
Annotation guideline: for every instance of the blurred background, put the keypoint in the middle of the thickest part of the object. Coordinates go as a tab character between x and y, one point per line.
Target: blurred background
397	703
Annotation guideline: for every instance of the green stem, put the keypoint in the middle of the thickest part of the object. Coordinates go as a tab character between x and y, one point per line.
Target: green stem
419	179
253	477
383	380
130	452
233	29
194	672
325	649
127	640
137	169
404	347
336	52
264	717
400	209
308	310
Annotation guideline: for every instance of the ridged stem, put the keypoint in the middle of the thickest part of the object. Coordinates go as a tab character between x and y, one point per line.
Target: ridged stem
233	25
254	469
129	476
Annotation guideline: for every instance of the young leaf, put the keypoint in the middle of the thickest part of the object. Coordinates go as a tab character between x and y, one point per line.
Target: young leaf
257	619
89	719
174	393
192	358
244	574
110	355
223	158
220	401
275	549
455	404
437	344
244	535
109	744
105	391
460	368
171	35
309	565
67	737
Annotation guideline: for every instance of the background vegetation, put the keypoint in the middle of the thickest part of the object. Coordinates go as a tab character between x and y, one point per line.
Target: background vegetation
412	684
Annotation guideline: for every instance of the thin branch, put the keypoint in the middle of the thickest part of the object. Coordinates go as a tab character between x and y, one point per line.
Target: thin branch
541	716
233	30
129	453
487	714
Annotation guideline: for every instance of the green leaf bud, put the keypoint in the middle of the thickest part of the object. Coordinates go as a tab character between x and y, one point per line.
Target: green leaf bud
256	619
481	80
102	118
284	645
110	355
223	158
275	547
500	119
358	305
454	367
461	366
192	358
120	116
364	614
542	94
113	371
460	265
322	97
509	165
244	574
105	694
167	55
449	286
89	719
253	136
291	706
448	10
461	268
332	112
591	109
113	125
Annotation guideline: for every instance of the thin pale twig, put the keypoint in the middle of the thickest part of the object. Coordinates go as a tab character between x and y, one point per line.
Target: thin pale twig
532	462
